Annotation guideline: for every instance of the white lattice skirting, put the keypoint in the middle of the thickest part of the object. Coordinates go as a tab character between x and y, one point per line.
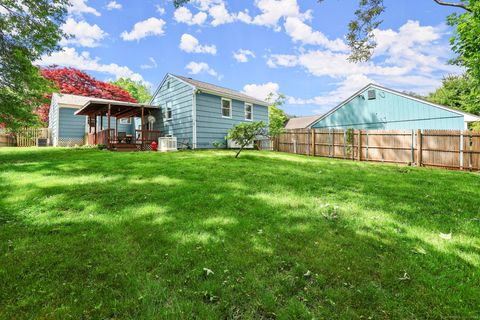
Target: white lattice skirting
70	142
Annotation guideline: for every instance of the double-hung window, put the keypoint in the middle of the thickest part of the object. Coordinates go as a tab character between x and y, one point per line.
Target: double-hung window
248	111
167	114
226	108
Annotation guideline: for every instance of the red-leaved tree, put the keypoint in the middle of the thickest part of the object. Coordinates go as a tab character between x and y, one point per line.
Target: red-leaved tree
74	81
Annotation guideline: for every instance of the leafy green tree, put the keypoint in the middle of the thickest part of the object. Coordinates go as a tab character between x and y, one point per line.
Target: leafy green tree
276	116
136	89
458	92
28	29
245	133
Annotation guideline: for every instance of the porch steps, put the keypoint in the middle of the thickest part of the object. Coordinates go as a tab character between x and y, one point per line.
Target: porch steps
125	147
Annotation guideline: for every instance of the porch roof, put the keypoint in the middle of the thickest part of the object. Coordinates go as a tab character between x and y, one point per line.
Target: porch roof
118	109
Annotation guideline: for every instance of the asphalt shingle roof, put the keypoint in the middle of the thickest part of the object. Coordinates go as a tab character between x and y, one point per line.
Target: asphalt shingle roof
230	93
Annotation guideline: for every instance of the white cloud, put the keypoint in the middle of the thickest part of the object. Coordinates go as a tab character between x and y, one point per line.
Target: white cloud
184	15
69	57
153	64
274	10
243	55
160	10
200	67
220	15
150	27
262	91
114	5
300	31
82	33
78	7
282	60
189	43
344	89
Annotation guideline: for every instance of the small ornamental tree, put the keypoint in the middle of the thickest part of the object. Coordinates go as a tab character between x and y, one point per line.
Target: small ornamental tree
245	133
74	81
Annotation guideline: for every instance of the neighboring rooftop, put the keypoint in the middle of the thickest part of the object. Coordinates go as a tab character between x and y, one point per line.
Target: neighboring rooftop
211	88
301	122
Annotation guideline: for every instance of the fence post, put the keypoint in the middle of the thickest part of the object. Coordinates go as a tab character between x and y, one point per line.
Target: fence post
419	148
344	144
308	141
359	145
366	147
461	150
313	141
413	148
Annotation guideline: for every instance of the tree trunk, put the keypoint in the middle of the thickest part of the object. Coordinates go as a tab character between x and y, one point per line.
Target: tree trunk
238	153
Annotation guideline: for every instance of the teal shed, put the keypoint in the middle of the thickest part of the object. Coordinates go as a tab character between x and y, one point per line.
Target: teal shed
378	108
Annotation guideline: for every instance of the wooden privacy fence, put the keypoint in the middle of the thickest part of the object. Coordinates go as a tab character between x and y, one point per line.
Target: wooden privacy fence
452	149
26	137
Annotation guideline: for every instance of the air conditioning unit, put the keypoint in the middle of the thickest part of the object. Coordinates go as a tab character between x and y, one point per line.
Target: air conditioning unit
166	144
233	145
42	142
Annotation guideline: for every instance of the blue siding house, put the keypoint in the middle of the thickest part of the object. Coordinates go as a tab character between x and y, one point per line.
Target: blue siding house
200	114
68	129
197	113
378	108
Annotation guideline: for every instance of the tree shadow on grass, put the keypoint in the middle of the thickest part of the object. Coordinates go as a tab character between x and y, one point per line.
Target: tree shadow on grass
129	236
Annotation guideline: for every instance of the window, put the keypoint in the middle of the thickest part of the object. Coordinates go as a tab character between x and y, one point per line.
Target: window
168	85
371	95
125	120
226	108
248	111
167	114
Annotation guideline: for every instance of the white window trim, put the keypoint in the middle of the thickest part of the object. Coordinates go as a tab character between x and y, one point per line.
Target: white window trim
221	107
245	111
166	111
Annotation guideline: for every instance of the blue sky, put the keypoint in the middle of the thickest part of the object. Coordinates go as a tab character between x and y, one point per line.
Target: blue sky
295	47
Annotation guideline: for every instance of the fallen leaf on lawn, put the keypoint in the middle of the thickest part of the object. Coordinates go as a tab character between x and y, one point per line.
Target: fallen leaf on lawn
404	277
308	274
207	271
445	236
419	250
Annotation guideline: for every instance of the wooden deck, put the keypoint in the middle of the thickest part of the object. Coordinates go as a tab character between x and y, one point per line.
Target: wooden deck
140	141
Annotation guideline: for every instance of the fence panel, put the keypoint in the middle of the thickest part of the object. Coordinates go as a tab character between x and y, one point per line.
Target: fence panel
474	152
26	137
452	149
441	148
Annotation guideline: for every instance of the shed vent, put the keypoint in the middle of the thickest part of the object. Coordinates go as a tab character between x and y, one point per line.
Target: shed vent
372	95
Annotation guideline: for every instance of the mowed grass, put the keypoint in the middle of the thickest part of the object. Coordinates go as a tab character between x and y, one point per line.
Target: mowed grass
88	234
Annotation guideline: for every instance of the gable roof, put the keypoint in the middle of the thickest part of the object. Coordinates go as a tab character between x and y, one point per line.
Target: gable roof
217	90
301	122
468	117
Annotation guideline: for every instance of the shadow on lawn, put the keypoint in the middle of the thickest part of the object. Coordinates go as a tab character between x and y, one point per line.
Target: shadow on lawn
128	235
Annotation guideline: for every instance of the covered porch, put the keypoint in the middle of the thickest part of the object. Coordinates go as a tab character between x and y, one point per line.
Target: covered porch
109	135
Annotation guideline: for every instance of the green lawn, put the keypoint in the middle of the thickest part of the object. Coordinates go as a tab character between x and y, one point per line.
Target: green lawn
88	234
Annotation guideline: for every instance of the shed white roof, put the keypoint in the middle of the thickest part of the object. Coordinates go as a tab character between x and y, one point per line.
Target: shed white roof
75	100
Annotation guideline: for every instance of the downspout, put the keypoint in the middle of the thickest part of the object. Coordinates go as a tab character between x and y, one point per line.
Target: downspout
194	119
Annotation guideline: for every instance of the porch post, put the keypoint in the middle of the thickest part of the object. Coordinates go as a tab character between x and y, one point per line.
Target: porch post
142	128
116	129
95	130
108	132
101	122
